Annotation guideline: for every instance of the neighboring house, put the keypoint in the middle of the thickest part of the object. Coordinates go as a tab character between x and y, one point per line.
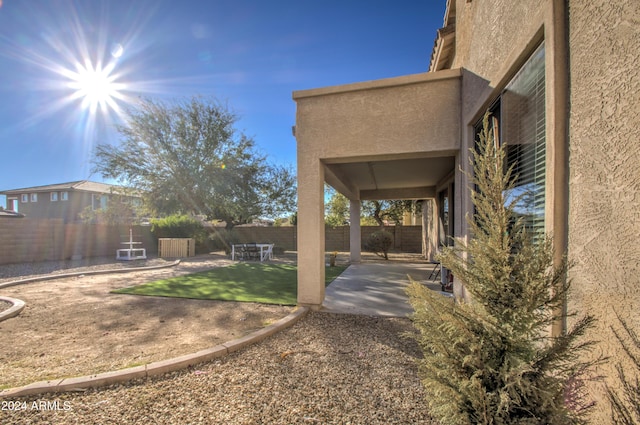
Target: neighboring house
561	78
63	201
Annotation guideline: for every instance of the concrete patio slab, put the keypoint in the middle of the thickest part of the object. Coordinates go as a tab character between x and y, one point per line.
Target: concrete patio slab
375	289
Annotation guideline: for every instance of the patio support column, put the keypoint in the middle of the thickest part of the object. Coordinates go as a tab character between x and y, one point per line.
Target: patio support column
354	231
311	242
429	229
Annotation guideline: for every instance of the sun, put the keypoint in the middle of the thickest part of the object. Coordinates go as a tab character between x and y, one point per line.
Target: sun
95	86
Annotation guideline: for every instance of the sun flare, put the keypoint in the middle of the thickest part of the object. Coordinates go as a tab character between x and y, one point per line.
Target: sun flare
95	86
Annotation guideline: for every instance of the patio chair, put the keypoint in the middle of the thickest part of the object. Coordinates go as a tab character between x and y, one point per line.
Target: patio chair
241	251
435	272
253	252
268	254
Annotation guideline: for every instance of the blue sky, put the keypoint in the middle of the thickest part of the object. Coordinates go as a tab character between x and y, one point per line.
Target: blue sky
250	54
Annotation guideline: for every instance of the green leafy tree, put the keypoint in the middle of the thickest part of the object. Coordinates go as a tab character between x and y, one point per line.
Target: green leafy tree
187	157
336	209
491	360
124	206
390	210
178	226
373	212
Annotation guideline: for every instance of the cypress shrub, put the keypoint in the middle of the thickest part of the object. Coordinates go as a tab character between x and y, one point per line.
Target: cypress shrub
491	360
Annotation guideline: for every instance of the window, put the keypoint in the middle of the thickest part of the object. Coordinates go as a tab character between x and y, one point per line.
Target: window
99	202
519	113
64	196
34	197
524	132
24	198
54	196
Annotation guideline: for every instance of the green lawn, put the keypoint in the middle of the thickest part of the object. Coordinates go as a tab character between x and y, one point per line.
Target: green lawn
252	282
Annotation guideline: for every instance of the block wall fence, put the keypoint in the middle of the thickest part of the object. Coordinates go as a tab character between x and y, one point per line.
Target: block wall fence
29	240
406	238
26	240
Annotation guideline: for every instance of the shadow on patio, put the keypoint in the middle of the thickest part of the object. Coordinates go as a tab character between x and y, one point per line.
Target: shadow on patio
376	287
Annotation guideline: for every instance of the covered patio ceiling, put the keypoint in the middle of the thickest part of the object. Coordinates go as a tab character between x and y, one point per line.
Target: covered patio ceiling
389	178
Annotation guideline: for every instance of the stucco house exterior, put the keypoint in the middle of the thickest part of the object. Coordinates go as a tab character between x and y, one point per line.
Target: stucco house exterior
562	80
60	201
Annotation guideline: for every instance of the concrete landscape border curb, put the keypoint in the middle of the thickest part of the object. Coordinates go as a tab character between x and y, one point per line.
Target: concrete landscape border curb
14	310
81	383
19	305
86	273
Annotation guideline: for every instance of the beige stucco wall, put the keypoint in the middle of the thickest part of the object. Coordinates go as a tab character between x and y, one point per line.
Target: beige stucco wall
492	37
596	213
385	117
604	185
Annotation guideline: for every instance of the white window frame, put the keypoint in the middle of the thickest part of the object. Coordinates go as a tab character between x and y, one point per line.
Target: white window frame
64	196
54	197
33	197
24	198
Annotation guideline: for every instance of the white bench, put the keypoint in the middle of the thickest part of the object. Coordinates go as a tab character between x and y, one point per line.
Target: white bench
131	253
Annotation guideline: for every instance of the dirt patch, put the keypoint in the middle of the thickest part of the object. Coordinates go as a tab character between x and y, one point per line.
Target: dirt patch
75	326
4	305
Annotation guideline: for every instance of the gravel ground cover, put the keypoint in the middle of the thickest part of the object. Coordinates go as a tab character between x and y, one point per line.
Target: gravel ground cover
326	369
10	272
75	326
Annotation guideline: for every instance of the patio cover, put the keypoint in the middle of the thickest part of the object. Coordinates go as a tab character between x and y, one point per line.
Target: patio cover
396	138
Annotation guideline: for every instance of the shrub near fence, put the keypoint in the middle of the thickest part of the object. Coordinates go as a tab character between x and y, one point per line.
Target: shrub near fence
405	238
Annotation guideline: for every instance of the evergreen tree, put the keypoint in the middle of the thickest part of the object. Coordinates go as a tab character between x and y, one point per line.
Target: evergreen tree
490	359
